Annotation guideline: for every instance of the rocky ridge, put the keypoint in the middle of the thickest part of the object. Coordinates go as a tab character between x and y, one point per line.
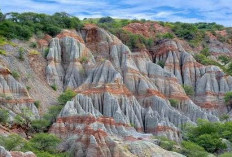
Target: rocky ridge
120	94
122	97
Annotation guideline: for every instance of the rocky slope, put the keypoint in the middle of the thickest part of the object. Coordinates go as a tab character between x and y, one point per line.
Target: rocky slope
120	94
122	99
5	153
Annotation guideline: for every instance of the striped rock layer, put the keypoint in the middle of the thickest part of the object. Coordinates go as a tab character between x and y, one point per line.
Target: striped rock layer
123	97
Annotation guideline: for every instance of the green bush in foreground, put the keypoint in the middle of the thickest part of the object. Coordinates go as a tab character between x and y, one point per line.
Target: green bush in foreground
208	134
43	142
167	144
191	149
12	142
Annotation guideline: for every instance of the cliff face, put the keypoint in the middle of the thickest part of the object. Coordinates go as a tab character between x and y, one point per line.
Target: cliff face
209	82
122	98
121	95
14	95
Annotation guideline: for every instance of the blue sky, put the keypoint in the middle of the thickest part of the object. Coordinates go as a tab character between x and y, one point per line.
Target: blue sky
219	11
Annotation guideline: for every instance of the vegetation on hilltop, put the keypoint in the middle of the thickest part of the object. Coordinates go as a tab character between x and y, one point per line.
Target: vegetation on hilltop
24	25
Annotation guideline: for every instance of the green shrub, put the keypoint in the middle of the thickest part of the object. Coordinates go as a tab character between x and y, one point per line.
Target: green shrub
224	117
40	125
174	102
205	52
229	69
161	63
228	98
66	96
191	149
2	52
167	144
106	20
208	135
52	113
37	103
12	142
4	116
165	36
224	59
188	90
44	142
28	88
211	142
15	74
52	30
46	51
11	30
21	54
54	87
83	59
227	154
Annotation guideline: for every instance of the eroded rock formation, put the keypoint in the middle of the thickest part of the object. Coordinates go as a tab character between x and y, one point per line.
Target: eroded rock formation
14	96
210	82
122	95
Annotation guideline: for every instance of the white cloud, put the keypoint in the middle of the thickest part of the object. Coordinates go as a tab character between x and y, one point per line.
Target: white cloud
169	10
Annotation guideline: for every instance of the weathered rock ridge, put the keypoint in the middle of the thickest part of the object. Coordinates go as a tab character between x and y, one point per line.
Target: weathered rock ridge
14	95
121	95
210	82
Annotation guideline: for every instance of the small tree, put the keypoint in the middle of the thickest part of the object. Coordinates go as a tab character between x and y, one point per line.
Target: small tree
106	20
40	125
21	54
44	142
192	149
4	116
66	96
189	90
173	102
12	142
37	103
224	59
161	63
33	45
165	143
23	120
15	74
224	117
205	52
228	100
52	113
54	87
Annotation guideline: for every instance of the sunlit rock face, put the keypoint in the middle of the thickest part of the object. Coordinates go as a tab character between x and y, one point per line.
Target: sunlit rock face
123	97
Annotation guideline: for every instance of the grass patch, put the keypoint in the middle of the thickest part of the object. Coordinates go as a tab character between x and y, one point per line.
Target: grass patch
2	52
34	52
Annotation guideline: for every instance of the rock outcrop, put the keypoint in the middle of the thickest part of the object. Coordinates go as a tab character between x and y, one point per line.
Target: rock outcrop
209	82
120	96
5	153
14	96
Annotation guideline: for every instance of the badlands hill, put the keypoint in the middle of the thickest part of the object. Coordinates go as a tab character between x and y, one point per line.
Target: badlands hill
131	86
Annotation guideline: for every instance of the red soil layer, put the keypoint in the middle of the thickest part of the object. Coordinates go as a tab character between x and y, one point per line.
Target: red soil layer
147	29
70	34
4	71
117	89
18	101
